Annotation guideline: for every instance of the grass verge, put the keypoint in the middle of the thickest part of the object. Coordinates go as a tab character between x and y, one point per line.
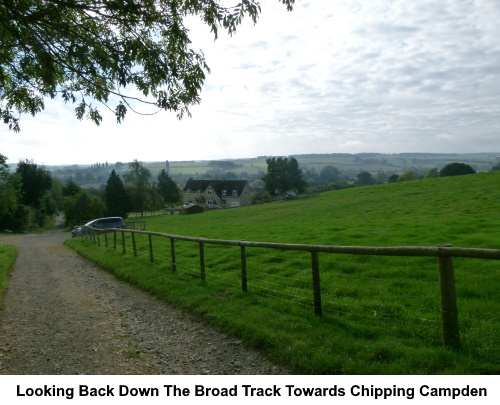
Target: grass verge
8	254
375	330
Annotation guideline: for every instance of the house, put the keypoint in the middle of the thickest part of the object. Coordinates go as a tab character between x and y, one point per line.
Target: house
217	193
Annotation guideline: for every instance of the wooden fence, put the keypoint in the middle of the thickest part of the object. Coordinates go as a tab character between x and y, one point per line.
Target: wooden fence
137	225
444	253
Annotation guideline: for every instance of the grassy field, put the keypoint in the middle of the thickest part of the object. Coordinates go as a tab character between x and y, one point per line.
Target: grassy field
7	258
380	315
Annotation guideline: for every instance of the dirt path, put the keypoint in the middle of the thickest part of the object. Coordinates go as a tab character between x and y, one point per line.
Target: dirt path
63	315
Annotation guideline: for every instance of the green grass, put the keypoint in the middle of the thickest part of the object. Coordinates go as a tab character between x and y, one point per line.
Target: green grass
381	315
8	256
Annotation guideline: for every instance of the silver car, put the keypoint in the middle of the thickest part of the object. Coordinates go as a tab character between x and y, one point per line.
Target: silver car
99	223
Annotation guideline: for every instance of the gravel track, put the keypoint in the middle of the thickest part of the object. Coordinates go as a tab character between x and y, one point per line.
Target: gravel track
64	315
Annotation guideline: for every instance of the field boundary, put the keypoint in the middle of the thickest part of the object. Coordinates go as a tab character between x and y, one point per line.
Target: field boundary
445	254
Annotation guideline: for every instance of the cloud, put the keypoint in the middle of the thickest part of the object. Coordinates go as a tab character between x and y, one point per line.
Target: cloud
344	76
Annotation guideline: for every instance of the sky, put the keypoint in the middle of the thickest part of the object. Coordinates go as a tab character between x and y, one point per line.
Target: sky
332	76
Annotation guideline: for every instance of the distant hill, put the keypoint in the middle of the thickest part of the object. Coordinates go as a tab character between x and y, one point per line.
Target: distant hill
248	168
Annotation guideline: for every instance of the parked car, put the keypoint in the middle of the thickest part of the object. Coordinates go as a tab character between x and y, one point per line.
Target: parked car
99	223
291	195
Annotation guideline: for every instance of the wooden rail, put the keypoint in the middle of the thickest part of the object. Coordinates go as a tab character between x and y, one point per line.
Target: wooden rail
445	254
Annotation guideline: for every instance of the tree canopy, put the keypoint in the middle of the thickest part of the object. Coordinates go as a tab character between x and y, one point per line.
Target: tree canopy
407	175
456	169
365	178
29	196
283	175
138	182
331	174
89	51
167	188
36	181
115	196
10	193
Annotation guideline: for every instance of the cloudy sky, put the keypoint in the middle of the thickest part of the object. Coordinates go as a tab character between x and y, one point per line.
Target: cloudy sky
332	76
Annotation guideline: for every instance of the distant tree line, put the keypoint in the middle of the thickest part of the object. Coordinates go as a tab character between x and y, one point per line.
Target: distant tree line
30	196
284	175
223	164
135	192
95	173
453	169
99	166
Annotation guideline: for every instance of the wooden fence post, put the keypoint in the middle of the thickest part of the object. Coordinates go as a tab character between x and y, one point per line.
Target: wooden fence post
123	241
150	249
202	260
318	310
114	240
106	238
172	253
98	239
449	312
243	269
134	246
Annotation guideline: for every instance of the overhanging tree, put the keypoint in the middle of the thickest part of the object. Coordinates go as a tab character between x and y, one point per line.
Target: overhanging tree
90	51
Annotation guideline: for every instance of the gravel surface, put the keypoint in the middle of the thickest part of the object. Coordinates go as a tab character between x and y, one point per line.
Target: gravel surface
64	315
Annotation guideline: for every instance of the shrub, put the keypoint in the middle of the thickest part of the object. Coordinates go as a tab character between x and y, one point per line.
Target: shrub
456	169
408	175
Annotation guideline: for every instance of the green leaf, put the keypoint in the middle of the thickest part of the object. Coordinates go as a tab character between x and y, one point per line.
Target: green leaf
107	50
80	110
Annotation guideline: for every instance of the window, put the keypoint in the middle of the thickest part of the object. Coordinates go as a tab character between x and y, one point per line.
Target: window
235	193
224	192
199	191
209	192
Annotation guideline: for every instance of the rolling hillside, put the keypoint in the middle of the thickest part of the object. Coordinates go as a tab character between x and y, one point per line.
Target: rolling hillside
349	164
462	210
381	315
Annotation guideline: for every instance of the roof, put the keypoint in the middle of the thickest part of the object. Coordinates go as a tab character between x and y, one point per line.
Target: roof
192	208
217	185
